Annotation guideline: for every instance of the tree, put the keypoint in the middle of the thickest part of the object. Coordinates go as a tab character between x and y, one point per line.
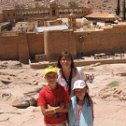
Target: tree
124	10
73	4
19	6
37	5
118	8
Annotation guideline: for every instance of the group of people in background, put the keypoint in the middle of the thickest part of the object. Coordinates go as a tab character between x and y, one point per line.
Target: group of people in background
65	100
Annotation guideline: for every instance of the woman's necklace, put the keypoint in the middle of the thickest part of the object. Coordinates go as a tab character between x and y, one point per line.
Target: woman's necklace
66	73
68	78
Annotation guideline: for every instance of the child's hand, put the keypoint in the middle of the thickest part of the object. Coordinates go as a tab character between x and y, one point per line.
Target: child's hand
62	105
49	106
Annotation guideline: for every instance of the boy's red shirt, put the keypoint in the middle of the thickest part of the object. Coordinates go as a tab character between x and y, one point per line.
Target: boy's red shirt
53	98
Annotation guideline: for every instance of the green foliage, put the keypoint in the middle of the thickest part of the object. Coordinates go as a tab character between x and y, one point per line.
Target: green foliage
37	5
19	6
73	4
113	84
124	10
118	8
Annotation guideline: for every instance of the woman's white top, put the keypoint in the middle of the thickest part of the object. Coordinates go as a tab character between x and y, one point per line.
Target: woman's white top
79	76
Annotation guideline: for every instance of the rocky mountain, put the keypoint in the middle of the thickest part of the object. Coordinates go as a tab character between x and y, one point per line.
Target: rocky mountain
96	5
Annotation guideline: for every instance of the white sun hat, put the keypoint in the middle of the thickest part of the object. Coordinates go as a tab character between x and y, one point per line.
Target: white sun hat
79	84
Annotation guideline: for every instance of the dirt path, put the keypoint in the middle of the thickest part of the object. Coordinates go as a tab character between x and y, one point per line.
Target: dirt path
108	91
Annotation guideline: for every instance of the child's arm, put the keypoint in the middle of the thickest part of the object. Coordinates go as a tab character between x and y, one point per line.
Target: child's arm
52	110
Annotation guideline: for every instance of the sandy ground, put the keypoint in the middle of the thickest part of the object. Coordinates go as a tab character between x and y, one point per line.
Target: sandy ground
108	91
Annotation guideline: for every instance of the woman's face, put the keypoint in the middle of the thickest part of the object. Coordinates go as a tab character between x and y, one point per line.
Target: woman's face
65	62
80	93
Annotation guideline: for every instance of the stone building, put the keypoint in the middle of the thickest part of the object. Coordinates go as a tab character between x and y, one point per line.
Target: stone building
50	41
1	17
52	12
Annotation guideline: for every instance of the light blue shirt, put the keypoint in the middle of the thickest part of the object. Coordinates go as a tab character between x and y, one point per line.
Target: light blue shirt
85	116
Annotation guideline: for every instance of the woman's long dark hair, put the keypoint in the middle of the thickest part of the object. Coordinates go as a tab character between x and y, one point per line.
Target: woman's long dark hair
67	55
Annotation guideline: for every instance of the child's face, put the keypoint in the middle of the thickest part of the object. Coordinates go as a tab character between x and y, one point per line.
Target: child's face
51	78
80	93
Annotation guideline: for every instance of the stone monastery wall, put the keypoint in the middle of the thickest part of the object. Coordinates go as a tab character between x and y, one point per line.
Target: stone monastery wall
25	46
109	41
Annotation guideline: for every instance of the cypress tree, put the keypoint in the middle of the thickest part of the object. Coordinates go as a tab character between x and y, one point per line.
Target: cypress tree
118	8
124	8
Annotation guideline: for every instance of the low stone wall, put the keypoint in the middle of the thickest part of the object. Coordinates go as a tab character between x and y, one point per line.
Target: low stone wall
79	63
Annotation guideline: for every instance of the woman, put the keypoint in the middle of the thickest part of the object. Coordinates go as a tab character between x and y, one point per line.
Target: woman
68	73
81	107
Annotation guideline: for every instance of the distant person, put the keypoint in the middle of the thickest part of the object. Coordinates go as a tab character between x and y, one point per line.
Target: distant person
53	100
94	23
90	78
81	107
68	72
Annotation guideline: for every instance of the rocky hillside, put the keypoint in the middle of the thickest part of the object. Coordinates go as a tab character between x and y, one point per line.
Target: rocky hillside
97	5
